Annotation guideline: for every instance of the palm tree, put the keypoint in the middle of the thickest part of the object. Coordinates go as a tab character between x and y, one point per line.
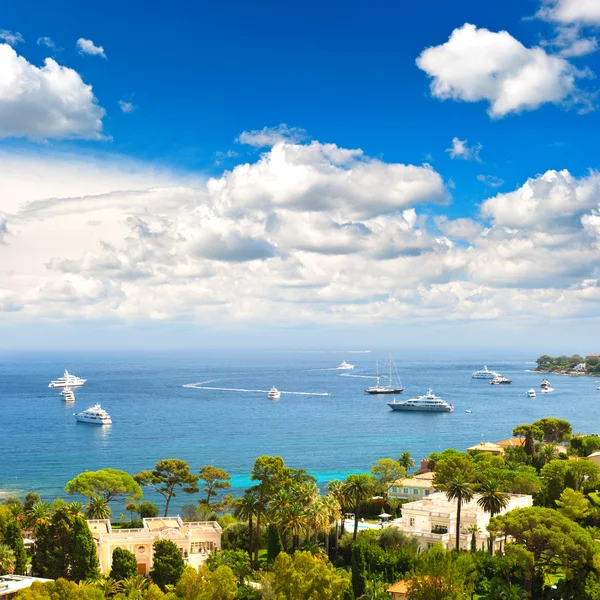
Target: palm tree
493	500
246	508
7	560
509	592
136	583
407	461
332	513
98	508
75	508
109	587
357	489
473	530
293	521
335	488
315	518
38	514
461	490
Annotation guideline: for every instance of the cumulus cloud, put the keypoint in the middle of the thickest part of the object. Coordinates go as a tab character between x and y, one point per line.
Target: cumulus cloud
491	180
304	234
571	11
269	136
11	38
88	47
47	102
476	64
461	149
126	106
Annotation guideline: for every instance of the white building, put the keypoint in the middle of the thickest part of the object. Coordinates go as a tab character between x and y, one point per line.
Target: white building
195	540
433	520
412	488
11	585
580	367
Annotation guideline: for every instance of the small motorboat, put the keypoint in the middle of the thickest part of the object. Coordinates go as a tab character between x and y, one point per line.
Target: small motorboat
274	394
547	390
468	411
530	393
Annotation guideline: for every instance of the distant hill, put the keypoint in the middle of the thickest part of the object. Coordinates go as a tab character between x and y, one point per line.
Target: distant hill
572	365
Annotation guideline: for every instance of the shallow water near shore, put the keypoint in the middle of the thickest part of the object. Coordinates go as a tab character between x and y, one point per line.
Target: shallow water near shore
155	417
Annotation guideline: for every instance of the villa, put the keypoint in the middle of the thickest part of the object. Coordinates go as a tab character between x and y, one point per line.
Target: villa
412	488
433	520
195	540
495	449
11	585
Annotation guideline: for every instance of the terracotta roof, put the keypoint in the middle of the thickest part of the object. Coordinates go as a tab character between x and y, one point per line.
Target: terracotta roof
511	442
400	587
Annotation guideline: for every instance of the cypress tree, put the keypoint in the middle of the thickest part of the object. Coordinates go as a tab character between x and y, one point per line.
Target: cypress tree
124	564
84	561
168	564
40	559
60	543
274	543
359	571
14	539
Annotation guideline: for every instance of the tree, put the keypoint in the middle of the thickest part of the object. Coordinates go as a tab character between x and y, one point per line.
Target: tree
304	577
458	489
13	538
60	544
553	477
407	461
293	521
335	488
274	543
357	489
473	530
109	484
41	558
31	498
246	508
38	514
132	508
531	433
168	564
584	472
168	476
386	471
359	571
220	585
573	505
147	510
7	560
214	479
124	564
98	508
555	430
237	560
493	501
447	469
84	561
133	586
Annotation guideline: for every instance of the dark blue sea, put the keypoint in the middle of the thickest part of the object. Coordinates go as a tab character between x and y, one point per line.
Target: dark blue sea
155	417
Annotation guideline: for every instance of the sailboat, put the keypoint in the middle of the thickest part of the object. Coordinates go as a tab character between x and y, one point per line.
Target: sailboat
391	388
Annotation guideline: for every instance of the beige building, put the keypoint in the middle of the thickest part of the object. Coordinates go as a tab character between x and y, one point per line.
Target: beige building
195	540
433	520
486	447
595	458
412	488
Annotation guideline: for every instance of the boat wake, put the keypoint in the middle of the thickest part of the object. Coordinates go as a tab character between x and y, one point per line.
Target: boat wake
200	386
363	376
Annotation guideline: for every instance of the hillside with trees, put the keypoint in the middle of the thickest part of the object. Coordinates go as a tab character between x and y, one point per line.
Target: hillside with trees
566	364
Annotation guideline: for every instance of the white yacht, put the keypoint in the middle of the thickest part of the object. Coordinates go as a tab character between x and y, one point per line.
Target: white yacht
95	415
547	390
500	380
67	394
485	373
530	393
67	380
545	384
344	366
394	386
427	403
274	394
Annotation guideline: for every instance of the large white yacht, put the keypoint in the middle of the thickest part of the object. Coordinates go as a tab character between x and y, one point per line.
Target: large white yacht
394	386
485	373
68	395
344	366
67	380
429	402
95	415
274	394
500	380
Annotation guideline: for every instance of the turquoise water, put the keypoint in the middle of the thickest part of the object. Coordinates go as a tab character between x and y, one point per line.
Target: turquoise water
155	417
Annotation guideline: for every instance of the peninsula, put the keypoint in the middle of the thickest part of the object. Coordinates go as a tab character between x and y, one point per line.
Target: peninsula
569	365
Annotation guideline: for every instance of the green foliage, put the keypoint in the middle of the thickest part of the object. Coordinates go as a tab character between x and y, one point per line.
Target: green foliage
461	490
584	445
554	430
573	505
106	483
214	479
5	517
235	537
237	560
304	577
168	564
449	467
407	461
168	476
31	498
13	538
386	471
7	559
531	433
220	585
147	510
357	488
393	538
226	520
198	512
83	560
274	543
124	564
61	589
98	508
435	457
359	571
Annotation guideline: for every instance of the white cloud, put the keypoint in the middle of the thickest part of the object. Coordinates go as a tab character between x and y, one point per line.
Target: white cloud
305	234
126	106
480	65
88	47
47	102
461	149
570	43
46	41
571	11
491	180
269	136
11	38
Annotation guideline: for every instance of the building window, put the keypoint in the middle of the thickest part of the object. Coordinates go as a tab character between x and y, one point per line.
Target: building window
415	492
201	547
405	491
430	545
427	492
439	529
411	522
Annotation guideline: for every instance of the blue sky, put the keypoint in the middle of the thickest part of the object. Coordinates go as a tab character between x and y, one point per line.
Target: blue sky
195	76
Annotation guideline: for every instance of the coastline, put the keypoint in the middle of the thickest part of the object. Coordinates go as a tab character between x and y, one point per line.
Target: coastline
563	372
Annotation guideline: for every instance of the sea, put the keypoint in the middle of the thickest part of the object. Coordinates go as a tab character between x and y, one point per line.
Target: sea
337	431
